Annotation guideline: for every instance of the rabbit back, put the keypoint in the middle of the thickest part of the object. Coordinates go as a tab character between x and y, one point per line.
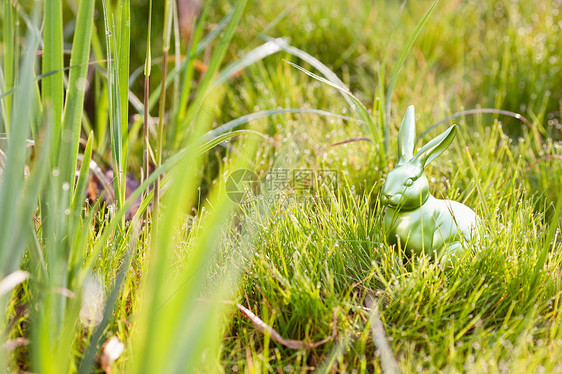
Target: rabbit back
453	219
434	226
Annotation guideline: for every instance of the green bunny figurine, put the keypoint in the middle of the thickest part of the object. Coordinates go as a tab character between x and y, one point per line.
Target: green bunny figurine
422	223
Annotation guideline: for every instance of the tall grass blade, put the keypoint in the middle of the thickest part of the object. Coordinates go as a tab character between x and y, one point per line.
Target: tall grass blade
52	85
3	112
115	109
198	45
342	89
160	137
214	65
355	105
250	58
11	54
80	190
188	66
146	119
16	157
18	196
123	66
175	320
477	111
539	267
199	151
313	61
72	116
35	185
398	67
267	113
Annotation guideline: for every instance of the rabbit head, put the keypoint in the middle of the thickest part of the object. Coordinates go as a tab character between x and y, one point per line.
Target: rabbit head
406	186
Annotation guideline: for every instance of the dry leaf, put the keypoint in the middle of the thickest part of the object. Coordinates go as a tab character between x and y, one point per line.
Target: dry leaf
188	10
111	350
12	344
12	280
100	186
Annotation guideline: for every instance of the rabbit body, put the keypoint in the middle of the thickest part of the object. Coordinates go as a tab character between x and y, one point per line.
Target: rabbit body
422	223
434	226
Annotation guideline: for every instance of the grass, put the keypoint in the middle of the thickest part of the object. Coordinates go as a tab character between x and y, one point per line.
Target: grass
315	116
313	258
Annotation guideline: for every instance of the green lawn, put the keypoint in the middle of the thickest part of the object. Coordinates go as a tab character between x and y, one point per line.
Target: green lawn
243	231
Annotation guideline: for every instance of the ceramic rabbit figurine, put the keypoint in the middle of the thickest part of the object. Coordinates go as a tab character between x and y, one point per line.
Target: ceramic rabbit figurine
422	223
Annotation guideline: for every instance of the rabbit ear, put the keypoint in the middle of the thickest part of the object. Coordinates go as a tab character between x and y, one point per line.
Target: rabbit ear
407	136
436	146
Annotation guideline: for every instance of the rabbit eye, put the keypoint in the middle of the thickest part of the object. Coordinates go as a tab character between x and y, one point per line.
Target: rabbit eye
409	182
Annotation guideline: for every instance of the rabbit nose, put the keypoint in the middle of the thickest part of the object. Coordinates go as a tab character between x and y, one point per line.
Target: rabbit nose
386	197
